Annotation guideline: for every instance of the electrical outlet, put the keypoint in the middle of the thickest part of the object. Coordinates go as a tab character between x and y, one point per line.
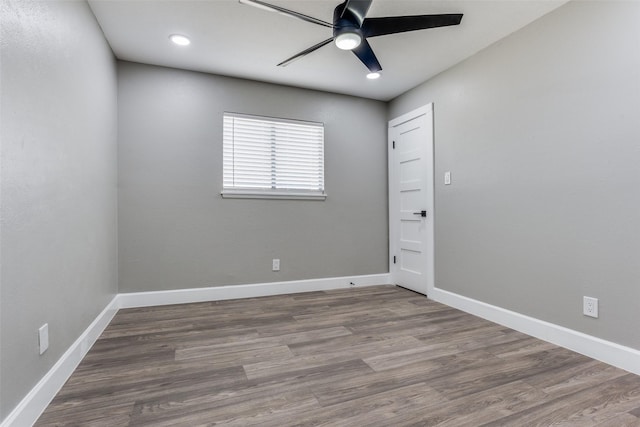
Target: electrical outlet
43	337
275	266
590	306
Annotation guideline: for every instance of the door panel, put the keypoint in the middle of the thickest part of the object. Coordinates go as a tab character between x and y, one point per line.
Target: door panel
410	193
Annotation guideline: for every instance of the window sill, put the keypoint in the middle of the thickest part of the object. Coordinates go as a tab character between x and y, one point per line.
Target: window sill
277	195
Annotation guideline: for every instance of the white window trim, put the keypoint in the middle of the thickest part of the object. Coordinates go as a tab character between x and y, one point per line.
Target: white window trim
278	194
271	194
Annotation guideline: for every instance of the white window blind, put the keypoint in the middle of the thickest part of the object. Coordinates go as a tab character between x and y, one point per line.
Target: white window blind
267	157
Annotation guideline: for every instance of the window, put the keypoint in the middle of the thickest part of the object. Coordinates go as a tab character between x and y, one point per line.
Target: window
272	158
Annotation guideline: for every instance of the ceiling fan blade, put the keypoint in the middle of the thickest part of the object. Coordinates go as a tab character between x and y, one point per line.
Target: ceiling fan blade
273	8
358	9
373	27
304	52
366	55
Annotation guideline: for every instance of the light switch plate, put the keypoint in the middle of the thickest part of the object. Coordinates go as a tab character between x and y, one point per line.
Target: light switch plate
447	178
43	337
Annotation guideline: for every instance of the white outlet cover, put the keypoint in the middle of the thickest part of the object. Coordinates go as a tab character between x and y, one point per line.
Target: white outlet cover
447	178
590	306
43	337
275	265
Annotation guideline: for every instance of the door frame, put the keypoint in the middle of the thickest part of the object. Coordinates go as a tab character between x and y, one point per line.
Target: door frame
393	195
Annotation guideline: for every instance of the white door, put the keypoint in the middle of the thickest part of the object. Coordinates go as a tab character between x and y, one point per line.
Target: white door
411	200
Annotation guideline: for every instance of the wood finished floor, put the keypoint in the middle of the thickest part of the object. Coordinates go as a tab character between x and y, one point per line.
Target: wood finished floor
378	356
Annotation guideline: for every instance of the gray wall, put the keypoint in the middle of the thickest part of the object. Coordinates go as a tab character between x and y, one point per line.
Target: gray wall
541	134
58	133
175	230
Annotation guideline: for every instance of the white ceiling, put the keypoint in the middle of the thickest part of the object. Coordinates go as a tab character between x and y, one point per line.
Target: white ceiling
232	39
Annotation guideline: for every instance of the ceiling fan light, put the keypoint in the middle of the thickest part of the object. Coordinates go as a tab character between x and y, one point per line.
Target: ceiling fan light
374	75
180	40
348	40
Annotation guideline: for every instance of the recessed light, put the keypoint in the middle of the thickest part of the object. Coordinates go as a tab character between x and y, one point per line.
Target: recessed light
373	76
180	40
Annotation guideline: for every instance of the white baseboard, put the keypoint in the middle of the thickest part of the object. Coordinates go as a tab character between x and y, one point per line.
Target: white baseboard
218	293
626	358
36	401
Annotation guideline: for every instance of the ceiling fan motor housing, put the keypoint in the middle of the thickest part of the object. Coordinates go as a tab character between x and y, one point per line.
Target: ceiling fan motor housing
346	25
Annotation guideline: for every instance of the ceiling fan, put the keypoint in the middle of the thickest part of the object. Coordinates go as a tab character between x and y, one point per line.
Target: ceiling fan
351	28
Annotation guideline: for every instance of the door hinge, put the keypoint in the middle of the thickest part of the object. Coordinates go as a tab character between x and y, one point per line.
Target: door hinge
394	259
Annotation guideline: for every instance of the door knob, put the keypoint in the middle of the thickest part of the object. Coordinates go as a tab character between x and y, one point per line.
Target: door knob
421	213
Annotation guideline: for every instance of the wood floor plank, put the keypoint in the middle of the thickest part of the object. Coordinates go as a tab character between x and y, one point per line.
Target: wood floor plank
250	410
519	346
563	381
622	420
377	356
228	357
418	358
357	346
275	368
126	390
497	372
374	407
589	406
103	416
476	409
